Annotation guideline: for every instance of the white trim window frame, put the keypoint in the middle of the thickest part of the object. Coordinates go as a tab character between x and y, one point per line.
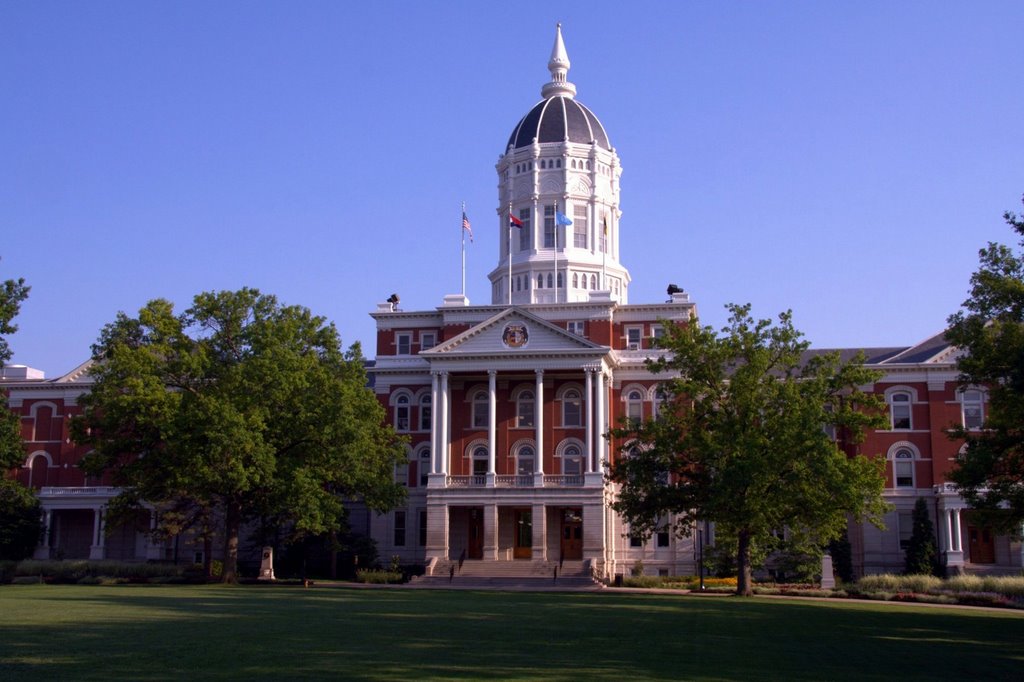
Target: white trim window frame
403	343
972	408
634	337
901	410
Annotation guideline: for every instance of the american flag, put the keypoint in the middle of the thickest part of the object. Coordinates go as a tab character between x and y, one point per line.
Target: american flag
466	226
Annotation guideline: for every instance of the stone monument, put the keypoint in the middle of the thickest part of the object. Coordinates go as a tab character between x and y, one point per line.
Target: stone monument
267	564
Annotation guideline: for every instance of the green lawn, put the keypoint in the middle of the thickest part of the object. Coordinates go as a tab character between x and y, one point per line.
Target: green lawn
181	632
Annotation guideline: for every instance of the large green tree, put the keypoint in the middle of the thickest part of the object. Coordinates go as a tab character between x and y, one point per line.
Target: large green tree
20	523
741	439
12	452
236	408
990	328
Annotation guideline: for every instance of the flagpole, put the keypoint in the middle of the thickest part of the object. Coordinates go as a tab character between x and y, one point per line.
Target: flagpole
462	234
508	219
554	254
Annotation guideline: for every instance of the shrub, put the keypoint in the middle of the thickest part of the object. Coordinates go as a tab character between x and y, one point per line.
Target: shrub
643	581
377	576
74	571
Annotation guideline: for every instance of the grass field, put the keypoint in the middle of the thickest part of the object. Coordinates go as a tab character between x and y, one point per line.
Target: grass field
180	632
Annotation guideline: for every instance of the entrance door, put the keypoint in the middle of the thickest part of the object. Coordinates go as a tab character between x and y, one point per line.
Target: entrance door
523	547
572	534
476	533
982	544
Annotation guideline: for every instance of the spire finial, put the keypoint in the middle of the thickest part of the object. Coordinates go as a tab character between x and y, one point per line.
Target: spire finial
558	65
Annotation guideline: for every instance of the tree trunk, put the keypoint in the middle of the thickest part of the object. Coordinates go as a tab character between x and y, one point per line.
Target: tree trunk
744	583
232	523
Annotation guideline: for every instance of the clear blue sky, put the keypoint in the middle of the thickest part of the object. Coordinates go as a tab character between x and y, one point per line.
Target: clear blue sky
845	160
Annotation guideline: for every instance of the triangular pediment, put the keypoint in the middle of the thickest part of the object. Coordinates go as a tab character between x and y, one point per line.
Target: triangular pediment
512	332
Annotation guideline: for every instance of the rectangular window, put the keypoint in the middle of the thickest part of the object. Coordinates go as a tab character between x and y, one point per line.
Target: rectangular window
402	474
427	340
579	227
904	473
635	541
425	415
403	344
899	406
662	536
575	327
423	528
524	231
906	524
399	529
424	466
549	226
657	331
633	335
972	409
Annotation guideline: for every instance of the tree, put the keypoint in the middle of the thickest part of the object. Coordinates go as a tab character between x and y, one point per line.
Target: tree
12	451
740	439
20	524
990	328
922	556
237	408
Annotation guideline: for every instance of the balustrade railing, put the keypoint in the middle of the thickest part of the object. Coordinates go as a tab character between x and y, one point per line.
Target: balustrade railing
516	481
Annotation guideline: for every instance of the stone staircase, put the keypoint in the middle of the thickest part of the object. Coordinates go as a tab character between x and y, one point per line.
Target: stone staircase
510	575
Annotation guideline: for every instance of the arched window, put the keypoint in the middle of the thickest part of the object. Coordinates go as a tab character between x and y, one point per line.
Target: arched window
540	281
559	279
480	412
424	464
425	413
479	460
402	473
899	410
575	280
558	163
526	458
593	281
572	461
402	413
551	281
973	408
634	406
903	468
525	409
572	408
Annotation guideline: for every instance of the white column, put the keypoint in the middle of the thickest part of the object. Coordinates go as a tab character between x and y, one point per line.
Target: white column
600	421
949	530
490	532
492	425
42	550
540	532
435	430
96	550
957	537
538	418
589	397
445	400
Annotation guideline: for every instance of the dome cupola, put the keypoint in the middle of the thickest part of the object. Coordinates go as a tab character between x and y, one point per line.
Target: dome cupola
558	185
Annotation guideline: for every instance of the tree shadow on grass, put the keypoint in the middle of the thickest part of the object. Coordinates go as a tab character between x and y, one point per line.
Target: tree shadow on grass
156	633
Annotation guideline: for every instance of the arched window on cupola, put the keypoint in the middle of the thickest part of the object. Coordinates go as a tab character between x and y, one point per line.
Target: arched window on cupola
550	281
575	281
540	281
593	281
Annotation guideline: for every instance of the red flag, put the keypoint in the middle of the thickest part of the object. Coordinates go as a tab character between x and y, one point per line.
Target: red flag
514	221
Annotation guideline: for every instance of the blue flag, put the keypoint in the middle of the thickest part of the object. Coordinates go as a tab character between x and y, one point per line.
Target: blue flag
562	219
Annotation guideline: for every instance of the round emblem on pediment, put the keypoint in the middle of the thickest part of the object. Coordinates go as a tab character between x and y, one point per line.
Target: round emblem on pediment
515	335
